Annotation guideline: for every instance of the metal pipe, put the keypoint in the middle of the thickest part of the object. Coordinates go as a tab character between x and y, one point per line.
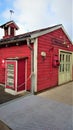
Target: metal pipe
32	65
28	44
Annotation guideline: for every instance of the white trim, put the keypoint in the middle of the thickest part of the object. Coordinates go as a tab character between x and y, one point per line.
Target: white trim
64	51
5	74
10	60
40	33
16	73
45	31
48	30
16	76
8	23
26	75
13	92
72	58
66	34
8	30
35	63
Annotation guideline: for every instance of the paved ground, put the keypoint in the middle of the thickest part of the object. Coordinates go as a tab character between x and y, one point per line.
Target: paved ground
37	113
63	94
5	97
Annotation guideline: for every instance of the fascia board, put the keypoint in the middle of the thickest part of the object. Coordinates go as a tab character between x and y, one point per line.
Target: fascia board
35	35
67	34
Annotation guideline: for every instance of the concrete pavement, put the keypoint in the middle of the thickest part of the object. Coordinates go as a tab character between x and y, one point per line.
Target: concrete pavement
37	113
62	93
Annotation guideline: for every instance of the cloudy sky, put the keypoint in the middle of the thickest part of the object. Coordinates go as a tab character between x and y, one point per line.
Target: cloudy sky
35	14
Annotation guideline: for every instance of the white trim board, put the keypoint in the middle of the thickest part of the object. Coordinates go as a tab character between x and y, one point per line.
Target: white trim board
35	63
48	30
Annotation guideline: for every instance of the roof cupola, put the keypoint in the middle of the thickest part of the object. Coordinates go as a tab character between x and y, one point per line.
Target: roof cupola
9	29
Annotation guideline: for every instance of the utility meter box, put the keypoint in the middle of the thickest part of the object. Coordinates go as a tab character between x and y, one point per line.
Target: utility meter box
15	75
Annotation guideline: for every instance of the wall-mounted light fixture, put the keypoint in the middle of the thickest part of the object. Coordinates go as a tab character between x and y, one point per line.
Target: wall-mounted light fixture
43	54
3	63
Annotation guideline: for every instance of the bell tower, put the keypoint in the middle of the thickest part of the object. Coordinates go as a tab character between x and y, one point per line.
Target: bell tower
9	29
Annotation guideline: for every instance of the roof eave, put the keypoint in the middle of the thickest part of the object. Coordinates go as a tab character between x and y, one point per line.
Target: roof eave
35	35
8	23
14	40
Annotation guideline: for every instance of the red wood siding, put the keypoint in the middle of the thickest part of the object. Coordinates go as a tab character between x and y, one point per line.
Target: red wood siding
16	51
47	74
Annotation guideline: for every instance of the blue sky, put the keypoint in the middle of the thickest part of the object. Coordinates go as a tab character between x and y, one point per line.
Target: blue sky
35	14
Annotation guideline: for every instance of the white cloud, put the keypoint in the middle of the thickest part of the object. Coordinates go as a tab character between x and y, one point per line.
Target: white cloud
35	14
6	14
63	10
31	13
1	33
40	14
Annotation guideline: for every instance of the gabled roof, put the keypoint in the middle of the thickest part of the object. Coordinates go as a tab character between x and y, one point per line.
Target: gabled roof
8	23
43	31
33	34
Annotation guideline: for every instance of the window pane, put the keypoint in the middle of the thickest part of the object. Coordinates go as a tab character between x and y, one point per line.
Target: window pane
12	31
60	57
69	58
63	57
63	67
60	67
66	67
66	58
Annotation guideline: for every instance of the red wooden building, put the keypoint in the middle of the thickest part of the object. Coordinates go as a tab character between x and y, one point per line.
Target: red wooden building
35	60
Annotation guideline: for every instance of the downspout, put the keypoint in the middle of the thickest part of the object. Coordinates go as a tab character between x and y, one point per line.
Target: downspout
32	65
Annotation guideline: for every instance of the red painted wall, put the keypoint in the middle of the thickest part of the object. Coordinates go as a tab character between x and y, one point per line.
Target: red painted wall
47	74
15	51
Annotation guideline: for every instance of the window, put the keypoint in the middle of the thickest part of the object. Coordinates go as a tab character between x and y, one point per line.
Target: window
62	66
65	62
10	75
12	31
60	57
6	31
63	57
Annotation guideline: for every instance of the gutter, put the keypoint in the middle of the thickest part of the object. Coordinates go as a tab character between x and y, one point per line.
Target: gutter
14	39
32	65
